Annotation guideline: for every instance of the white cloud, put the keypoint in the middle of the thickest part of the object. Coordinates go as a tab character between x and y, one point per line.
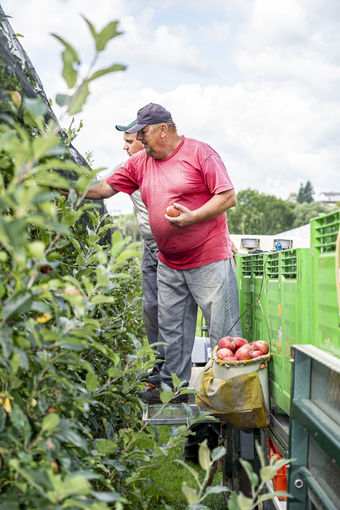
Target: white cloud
275	124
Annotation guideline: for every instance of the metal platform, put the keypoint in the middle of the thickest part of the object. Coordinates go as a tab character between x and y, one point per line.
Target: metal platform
174	414
171	414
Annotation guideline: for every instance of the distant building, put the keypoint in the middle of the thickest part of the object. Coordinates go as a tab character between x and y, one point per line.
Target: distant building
329	197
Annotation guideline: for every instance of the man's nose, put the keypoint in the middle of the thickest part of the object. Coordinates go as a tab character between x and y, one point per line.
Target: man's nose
139	136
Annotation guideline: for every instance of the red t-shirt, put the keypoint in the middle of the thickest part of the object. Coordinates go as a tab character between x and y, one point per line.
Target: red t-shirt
190	176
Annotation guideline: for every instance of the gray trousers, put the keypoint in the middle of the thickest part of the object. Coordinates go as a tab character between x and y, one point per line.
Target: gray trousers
150	300
213	287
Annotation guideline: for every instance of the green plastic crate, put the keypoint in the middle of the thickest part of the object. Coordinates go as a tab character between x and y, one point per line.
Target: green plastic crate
274	319
325	314
295	276
259	294
245	288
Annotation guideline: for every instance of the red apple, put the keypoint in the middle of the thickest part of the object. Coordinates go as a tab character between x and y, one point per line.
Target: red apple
261	345
172	211
239	341
243	352
255	354
230	358
226	342
223	353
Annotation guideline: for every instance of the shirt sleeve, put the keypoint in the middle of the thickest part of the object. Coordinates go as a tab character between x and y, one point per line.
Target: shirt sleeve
124	178
214	172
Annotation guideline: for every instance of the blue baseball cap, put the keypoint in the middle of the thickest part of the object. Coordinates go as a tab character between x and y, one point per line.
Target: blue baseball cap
152	113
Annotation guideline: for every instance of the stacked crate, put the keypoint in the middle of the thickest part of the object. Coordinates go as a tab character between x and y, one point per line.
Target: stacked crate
295	275
325	273
259	297
245	288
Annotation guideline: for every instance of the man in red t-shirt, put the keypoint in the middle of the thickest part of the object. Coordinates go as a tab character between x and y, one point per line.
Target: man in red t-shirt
195	256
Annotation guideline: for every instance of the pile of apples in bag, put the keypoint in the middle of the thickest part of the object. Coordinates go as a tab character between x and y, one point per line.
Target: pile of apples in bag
239	349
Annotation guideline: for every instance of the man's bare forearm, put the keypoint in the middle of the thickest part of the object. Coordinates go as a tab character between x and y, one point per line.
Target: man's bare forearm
217	205
101	190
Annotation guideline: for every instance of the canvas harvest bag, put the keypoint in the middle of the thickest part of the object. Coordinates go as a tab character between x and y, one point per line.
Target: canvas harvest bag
235	392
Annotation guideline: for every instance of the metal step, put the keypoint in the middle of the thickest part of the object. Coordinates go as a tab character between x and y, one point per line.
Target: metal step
174	414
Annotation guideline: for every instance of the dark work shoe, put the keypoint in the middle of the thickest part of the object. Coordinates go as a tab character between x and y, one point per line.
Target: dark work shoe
153	380
154	373
152	395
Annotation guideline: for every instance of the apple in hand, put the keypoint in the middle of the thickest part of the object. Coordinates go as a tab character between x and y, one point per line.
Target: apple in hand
239	341
223	353
261	345
226	342
243	352
172	211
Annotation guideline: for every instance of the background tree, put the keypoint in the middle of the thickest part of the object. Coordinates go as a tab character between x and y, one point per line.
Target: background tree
258	213
305	212
305	193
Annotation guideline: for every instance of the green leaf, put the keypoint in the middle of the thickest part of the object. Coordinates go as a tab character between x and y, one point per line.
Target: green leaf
47	178
232	503
101	299
106	34
70	60
267	473
36	249
272	495
166	396
107	70
105	446
190	494
92	381
75	484
91	27
127	254
21	302
19	420
79	99
243	502
253	478
216	489
50	422
102	279
175	380
3	417
260	453
217	453
204	455
107	497
191	470
114	372
63	99
35	106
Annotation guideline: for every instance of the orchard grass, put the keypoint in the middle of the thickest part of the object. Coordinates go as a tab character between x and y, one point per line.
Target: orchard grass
164	484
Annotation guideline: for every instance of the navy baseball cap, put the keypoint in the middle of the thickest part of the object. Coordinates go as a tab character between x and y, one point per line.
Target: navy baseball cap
125	128
152	113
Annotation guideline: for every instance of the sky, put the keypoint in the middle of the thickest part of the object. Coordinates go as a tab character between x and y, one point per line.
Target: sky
258	80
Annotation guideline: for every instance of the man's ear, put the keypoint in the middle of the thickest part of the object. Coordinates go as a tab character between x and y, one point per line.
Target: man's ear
164	130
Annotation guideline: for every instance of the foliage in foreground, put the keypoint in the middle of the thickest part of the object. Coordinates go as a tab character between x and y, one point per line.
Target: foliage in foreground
71	338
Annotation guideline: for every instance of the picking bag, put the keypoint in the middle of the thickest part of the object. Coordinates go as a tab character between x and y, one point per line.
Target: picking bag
235	392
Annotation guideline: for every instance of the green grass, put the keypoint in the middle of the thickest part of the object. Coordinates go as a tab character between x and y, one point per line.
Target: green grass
164	482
